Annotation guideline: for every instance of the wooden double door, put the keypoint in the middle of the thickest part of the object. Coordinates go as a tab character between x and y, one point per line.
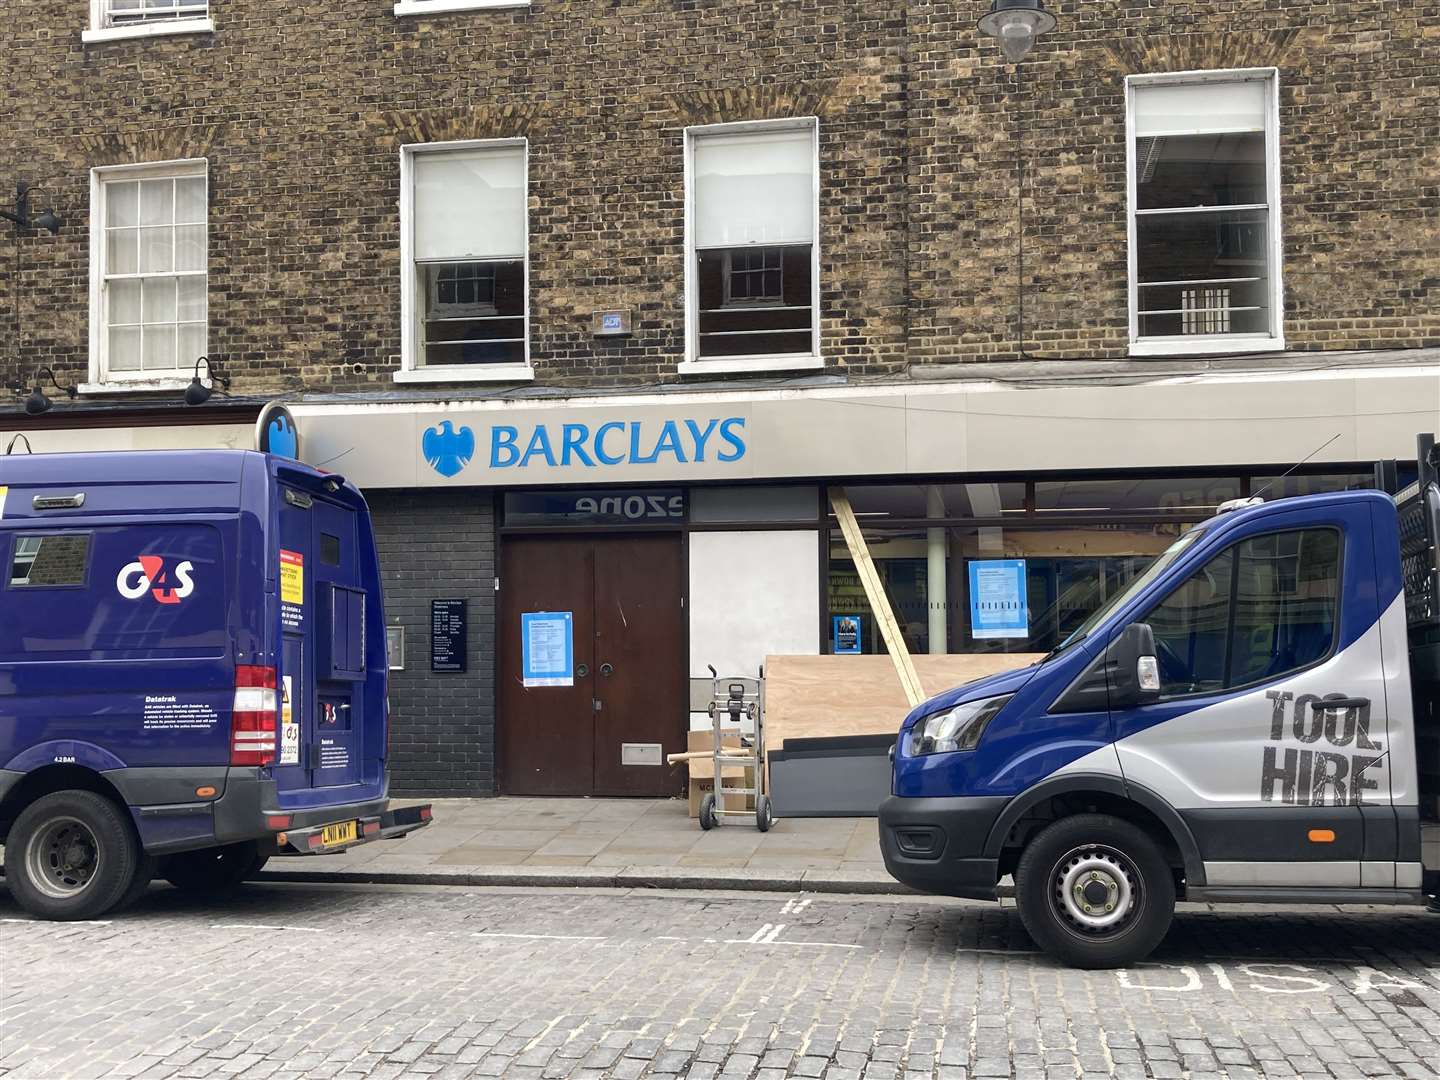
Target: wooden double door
628	705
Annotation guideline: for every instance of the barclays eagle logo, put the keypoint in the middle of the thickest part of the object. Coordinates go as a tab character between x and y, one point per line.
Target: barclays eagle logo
446	450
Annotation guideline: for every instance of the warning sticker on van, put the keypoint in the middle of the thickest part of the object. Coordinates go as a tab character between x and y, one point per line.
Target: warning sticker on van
3	492
292	589
289	727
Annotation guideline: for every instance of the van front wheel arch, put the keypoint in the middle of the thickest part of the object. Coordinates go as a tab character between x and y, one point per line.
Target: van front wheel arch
1095	891
72	855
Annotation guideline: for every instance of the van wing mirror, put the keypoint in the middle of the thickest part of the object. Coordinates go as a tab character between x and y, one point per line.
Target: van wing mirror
1134	670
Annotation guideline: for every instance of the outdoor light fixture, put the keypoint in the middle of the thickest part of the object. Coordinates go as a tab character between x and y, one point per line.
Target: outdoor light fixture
46	219
36	402
197	393
1016	24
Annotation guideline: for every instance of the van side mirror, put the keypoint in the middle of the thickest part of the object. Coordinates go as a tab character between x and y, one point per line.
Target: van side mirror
1134	670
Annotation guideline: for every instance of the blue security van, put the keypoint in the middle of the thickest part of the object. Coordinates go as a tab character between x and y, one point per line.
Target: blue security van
1256	718
192	673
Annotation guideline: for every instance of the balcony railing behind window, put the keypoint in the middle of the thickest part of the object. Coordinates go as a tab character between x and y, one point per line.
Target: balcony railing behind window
138	12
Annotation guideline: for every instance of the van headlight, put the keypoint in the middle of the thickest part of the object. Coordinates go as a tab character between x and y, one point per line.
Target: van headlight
958	728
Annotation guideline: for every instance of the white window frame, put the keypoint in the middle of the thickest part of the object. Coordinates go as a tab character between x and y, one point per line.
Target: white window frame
693	364
102	380
441	7
1210	344
98	31
411	370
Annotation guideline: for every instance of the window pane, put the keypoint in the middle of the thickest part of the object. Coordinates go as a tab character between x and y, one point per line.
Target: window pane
755	322
122	251
159	348
157	202
191	343
122	203
470	204
156	250
1285	603
754	188
124	302
49	560
1203	273
1189	496
1190	628
1286	487
190	199
160	300
191	299
983	500
474	312
124	349
1200	108
1200	170
190	247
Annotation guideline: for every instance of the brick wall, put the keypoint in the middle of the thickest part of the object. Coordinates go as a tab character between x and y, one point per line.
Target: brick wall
442	724
301	109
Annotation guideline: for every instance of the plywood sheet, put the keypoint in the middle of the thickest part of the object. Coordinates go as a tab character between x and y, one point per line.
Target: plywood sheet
816	697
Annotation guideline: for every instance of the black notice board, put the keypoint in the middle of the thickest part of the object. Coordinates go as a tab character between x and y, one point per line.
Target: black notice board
447	635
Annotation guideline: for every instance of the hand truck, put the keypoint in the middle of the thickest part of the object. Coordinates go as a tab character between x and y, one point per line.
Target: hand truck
734	697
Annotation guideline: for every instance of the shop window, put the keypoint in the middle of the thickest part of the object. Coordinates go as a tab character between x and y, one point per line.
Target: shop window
466	239
1204	244
1285	487
753	504
982	499
1177	495
754	288
149	271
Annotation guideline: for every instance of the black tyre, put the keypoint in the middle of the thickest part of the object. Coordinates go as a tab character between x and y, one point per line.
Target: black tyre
764	813
708	820
144	874
72	855
215	871
1095	891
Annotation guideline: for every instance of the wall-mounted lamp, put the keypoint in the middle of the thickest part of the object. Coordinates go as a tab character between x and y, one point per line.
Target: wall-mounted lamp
36	402
197	393
1016	25
46	219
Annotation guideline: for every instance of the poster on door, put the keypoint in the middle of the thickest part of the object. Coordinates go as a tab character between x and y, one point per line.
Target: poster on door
999	607
292	590
547	648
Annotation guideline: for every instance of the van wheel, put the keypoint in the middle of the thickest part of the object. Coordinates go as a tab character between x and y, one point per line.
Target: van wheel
72	855
1095	891
217	870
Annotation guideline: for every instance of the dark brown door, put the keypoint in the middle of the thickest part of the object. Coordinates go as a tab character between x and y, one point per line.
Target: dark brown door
629	697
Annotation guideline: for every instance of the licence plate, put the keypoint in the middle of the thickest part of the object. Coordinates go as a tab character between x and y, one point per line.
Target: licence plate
342	833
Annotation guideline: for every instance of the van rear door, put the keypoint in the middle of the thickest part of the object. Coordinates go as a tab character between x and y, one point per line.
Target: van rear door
323	674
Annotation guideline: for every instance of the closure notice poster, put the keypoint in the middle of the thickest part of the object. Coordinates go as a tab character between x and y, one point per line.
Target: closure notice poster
999	607
547	647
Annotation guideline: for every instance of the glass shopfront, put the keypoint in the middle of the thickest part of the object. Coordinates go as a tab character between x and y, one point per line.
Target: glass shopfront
1055	549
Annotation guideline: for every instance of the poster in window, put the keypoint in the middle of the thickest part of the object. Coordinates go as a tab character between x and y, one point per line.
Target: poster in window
999	607
845	635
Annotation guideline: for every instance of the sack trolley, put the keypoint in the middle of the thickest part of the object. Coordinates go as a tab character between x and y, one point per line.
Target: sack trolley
734	697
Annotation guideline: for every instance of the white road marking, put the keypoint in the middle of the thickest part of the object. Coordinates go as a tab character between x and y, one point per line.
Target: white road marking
540	937
266	926
794	906
76	922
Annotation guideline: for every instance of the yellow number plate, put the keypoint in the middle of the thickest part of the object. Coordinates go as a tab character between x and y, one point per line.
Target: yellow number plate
342	833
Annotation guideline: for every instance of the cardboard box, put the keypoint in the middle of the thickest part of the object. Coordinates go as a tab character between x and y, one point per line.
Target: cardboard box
702	772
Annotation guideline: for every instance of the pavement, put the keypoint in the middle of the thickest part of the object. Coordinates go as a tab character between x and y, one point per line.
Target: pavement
290	981
608	843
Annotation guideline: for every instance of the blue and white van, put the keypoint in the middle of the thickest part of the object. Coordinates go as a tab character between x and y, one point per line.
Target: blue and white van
1255	719
192	673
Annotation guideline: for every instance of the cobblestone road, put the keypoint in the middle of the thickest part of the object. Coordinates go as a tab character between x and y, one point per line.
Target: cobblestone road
298	981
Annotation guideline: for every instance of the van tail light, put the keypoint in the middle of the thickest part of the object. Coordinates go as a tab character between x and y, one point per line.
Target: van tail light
252	724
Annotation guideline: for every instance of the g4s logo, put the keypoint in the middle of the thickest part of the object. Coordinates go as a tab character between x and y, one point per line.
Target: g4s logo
148	572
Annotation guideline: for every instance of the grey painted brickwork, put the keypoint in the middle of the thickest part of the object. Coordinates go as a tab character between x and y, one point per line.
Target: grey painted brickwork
442	725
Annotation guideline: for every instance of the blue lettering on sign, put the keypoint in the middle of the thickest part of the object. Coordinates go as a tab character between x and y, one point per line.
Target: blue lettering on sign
616	442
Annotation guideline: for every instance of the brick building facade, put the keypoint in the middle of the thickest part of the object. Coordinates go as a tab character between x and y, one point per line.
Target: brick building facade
258	183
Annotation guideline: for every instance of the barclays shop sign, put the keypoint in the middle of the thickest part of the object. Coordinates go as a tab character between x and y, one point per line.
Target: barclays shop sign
451	447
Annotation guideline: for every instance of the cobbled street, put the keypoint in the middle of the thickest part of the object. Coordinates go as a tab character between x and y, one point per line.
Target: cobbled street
290	981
